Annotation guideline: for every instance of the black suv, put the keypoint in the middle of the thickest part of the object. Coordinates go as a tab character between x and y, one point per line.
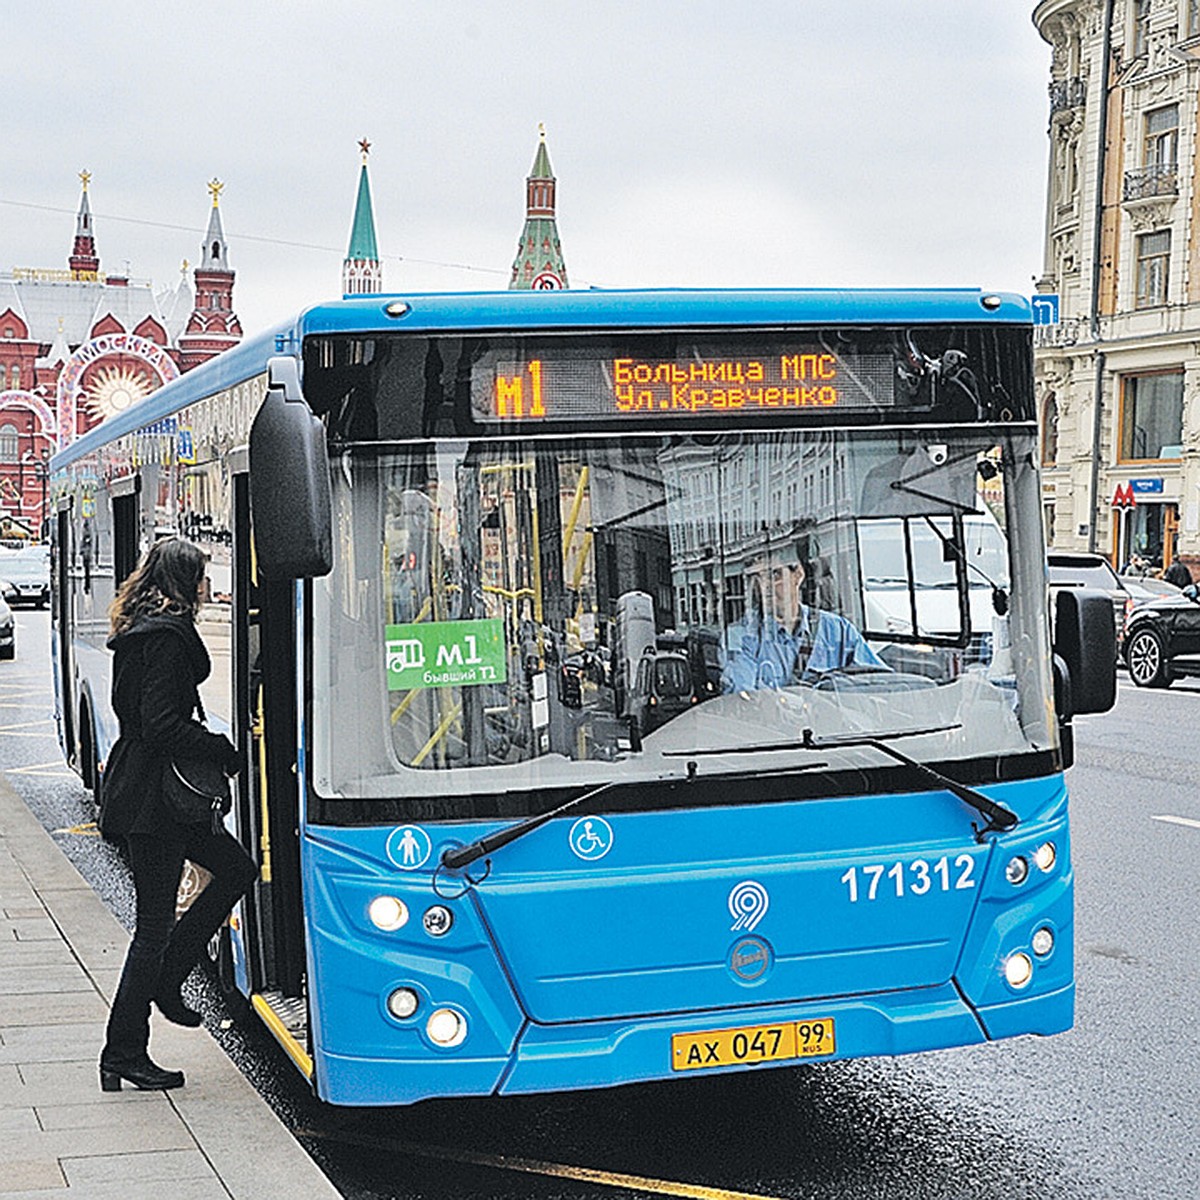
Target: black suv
1162	639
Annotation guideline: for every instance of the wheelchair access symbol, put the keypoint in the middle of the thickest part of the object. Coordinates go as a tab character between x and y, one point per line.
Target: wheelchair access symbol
591	838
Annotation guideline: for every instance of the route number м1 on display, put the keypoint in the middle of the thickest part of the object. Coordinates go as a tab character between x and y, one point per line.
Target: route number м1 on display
445	654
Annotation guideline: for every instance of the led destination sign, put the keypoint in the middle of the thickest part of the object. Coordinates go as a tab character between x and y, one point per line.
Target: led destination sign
582	387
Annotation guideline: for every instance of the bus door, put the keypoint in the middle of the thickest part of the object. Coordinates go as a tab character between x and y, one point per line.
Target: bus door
62	616
268	818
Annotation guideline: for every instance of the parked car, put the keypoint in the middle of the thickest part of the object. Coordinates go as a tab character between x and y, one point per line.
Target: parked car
1078	569
1162	639
25	576
662	689
8	631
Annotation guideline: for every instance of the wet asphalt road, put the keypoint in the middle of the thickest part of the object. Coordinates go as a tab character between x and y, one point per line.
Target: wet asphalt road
1111	1109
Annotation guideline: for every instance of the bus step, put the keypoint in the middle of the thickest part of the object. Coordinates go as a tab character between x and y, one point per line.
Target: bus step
287	1018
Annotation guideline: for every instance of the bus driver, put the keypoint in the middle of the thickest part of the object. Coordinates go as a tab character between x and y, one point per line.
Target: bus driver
785	641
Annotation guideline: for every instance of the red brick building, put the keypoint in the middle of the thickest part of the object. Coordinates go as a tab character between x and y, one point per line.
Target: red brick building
77	345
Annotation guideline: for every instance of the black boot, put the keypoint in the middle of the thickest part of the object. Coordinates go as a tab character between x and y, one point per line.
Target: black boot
141	1072
171	1005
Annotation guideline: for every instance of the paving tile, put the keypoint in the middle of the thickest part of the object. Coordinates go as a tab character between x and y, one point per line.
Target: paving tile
52	1043
17	1120
49	950
56	1082
29	1174
52	1008
167	1166
32	929
22	981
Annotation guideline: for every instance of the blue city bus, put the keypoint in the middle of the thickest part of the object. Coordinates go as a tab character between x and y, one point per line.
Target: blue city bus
631	685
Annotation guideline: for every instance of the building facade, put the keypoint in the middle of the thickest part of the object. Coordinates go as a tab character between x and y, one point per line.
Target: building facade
1118	376
77	345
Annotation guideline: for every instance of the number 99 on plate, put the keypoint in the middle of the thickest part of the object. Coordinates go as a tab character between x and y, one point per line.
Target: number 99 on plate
747	1044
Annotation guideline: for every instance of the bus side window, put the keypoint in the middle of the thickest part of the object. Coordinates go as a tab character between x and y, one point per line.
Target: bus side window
125	536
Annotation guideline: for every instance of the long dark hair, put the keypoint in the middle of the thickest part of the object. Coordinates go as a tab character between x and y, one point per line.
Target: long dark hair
165	581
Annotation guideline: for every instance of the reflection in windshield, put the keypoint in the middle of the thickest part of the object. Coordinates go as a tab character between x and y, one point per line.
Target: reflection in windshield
554	614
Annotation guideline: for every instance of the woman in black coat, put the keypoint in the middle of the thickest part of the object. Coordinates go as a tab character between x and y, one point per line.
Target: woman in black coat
158	663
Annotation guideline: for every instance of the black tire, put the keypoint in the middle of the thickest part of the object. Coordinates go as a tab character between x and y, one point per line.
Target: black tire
89	766
1146	658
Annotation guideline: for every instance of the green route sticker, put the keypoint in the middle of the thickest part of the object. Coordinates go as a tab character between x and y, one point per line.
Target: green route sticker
445	654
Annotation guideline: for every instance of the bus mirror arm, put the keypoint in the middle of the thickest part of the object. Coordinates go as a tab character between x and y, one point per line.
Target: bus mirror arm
1000	819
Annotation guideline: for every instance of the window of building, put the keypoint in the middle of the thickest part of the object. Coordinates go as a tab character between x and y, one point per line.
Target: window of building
9	443
1050	430
1191	25
15	382
1161	147
1152	416
1141	27
1153	265
3	378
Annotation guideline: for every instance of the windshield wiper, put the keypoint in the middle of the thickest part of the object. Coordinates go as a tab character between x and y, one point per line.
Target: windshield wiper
1000	819
464	856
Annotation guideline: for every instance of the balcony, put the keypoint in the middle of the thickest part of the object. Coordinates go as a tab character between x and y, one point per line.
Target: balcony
1148	183
1066	94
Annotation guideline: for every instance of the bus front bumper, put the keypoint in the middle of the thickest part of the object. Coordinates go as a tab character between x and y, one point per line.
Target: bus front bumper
609	1054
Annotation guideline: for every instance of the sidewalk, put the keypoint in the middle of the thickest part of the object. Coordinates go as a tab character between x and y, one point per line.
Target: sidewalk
60	955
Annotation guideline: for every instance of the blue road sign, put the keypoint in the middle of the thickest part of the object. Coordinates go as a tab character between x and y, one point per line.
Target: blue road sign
1045	310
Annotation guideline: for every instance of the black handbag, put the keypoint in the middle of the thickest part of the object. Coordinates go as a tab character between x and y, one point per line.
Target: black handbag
196	790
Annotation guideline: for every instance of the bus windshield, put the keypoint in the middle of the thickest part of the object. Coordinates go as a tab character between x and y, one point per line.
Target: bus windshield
515	615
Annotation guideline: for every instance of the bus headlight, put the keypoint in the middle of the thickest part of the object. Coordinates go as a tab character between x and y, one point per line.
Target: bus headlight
1045	856
446	1027
402	1003
1018	969
387	913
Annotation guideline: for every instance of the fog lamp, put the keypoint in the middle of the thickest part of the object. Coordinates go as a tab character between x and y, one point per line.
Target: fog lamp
402	1003
1043	942
1017	870
437	920
1046	855
1018	969
387	913
446	1027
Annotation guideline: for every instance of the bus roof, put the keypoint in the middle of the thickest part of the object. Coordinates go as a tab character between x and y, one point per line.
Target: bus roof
561	310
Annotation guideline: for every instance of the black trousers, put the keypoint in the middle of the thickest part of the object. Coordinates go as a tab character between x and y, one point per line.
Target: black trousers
163	950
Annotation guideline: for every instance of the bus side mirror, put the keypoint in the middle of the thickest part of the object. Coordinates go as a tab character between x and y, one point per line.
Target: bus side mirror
289	481
1085	641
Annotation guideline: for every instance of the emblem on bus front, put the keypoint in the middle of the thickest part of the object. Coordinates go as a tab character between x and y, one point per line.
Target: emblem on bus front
749	959
748	904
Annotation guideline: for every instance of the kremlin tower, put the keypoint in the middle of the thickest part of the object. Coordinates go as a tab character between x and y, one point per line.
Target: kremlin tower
362	273
539	263
83	261
213	325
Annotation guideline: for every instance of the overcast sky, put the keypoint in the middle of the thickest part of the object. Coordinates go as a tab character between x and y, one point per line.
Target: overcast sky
856	142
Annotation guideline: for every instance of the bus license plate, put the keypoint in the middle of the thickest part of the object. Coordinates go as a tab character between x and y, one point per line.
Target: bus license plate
752	1044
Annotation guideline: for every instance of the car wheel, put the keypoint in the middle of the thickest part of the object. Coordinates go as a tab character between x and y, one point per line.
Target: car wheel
1146	659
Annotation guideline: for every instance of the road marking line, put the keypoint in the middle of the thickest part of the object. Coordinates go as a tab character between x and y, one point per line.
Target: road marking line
504	1162
88	830
1191	824
42	769
25	725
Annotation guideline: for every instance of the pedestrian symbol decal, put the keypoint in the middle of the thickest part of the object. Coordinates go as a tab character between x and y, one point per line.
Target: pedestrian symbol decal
591	838
409	847
748	904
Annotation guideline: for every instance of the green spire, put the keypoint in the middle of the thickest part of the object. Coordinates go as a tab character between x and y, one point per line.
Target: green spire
539	263
362	233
